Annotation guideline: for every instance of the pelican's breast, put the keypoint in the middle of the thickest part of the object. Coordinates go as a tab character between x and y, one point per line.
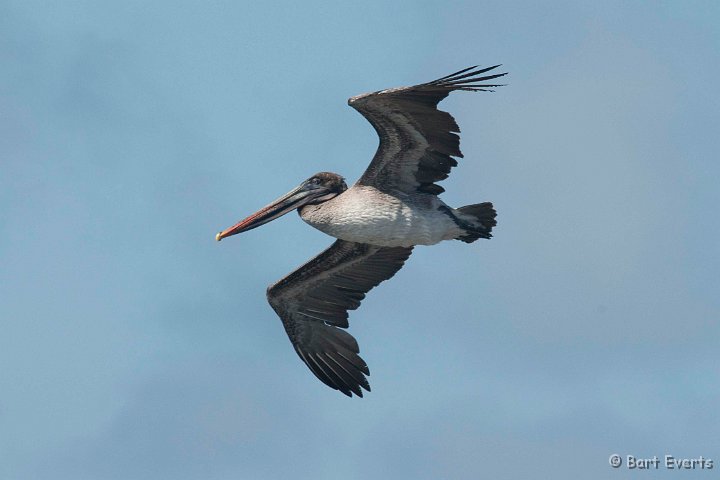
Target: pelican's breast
367	215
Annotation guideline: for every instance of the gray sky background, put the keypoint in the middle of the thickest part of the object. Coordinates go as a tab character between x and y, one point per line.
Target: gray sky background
134	346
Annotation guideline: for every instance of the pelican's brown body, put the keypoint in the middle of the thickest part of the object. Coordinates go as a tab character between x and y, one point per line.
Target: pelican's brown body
377	222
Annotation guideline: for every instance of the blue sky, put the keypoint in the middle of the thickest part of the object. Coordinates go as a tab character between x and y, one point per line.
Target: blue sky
136	347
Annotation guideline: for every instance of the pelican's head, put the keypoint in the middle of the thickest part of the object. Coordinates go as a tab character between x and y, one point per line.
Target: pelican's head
319	188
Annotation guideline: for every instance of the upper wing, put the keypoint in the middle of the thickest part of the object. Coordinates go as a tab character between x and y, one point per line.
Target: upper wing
417	142
313	302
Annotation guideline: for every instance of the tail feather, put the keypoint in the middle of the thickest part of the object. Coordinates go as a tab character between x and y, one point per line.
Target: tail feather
480	224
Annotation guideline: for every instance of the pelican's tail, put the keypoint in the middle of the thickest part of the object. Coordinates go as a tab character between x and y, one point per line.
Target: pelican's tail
477	220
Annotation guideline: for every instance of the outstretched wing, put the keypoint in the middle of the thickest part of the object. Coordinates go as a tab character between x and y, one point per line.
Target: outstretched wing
313	302
417	141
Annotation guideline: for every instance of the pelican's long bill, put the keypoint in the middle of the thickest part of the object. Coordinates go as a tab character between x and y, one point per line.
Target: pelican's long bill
296	198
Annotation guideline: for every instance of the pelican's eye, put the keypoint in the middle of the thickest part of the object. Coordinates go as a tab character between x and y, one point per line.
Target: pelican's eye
315	181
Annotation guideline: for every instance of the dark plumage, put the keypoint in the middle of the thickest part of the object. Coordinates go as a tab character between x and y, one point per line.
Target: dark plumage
403	115
391	208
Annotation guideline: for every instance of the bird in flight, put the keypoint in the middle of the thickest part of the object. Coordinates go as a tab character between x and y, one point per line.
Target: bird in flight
377	222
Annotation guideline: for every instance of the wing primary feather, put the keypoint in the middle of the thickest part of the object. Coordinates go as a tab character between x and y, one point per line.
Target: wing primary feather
338	382
357	362
345	379
480	86
352	361
475	79
458	73
315	370
454	78
350	370
461	74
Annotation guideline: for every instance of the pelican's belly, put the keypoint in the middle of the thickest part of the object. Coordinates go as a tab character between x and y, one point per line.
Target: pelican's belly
366	215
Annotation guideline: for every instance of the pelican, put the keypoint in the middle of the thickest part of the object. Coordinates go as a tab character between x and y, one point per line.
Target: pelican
377	222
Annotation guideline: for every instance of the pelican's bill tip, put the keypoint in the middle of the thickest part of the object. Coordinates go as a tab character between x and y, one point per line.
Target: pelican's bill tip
218	237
